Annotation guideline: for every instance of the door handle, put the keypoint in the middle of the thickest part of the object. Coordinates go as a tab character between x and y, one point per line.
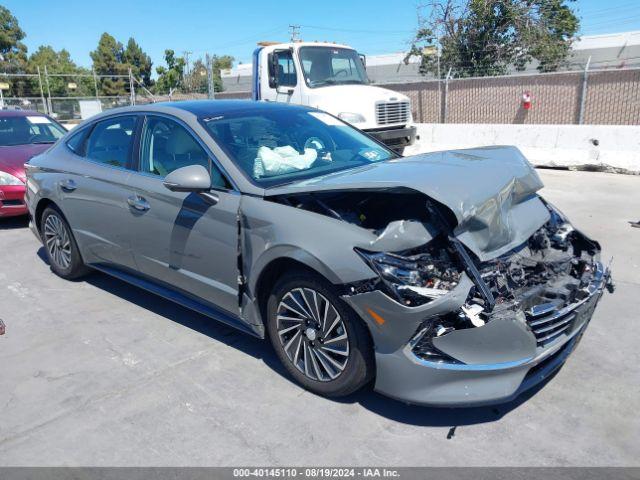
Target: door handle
68	185
138	203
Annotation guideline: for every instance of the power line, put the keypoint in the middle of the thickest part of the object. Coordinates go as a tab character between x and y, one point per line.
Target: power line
294	30
373	32
243	40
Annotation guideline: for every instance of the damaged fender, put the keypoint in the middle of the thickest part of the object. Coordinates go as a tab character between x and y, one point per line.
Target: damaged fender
271	231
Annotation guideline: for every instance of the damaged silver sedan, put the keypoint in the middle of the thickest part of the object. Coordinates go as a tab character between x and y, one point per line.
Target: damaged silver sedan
443	278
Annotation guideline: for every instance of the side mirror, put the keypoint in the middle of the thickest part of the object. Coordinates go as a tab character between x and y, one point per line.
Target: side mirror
363	59
273	70
193	178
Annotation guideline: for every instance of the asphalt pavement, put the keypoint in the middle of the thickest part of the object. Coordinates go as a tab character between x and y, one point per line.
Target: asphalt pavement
100	373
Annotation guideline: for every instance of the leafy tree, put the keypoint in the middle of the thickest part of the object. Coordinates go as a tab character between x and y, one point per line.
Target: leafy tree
108	59
220	63
13	53
172	76
197	79
139	62
486	37
60	63
11	35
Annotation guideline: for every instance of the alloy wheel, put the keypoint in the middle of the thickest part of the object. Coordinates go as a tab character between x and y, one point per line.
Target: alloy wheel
312	334
57	241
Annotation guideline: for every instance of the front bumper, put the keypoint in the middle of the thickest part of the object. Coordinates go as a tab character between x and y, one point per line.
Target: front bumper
12	201
498	361
395	137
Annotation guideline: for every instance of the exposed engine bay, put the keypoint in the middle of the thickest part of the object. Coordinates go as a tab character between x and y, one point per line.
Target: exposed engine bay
552	269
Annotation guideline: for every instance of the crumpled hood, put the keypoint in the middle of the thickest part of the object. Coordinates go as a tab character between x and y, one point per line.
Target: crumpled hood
491	191
13	158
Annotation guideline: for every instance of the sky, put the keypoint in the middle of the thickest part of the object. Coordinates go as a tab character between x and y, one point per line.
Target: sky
234	27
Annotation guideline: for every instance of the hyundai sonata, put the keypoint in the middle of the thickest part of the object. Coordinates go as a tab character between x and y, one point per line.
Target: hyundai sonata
444	278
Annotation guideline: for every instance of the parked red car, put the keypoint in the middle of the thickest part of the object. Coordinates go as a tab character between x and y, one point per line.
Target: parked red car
23	134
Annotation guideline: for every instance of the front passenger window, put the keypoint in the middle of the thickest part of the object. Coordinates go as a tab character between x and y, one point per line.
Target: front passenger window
167	146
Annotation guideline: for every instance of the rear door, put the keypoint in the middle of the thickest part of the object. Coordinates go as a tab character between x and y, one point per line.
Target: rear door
94	191
184	240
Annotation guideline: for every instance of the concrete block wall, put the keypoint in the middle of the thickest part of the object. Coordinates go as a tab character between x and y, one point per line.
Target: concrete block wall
579	146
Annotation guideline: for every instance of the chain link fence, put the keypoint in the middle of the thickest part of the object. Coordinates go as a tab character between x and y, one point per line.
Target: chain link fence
68	97
595	97
605	97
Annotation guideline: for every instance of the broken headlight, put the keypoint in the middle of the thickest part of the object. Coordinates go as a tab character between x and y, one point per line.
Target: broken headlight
417	278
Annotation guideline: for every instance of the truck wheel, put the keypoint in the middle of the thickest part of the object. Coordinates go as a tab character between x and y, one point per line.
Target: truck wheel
62	251
318	339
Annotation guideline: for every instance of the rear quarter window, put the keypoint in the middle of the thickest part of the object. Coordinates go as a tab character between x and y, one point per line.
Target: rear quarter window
76	141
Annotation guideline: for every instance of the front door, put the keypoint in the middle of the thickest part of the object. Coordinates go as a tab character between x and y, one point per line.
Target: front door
287	89
184	240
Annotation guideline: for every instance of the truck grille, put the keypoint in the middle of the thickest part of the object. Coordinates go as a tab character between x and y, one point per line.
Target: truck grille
388	113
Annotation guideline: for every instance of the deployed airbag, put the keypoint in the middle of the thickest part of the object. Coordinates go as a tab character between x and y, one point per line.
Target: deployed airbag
281	160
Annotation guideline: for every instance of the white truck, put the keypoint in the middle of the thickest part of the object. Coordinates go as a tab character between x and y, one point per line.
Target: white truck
332	78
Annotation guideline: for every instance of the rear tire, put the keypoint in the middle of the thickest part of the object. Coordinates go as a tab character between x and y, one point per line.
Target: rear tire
321	342
60	246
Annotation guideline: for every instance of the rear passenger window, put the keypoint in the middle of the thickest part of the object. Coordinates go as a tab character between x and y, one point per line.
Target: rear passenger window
110	141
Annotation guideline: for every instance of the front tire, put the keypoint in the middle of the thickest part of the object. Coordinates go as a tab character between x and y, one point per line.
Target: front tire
323	345
62	251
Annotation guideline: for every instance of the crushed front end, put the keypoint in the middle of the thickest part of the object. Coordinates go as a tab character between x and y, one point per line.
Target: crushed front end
451	329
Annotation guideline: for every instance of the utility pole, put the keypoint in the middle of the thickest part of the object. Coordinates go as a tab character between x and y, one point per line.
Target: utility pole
294	31
583	91
210	83
132	89
446	94
95	83
44	103
46	79
186	54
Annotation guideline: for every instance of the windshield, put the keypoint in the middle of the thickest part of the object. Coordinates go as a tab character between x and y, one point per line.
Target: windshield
331	66
283	145
29	129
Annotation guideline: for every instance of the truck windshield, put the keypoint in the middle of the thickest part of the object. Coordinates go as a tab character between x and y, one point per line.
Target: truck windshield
331	66
274	146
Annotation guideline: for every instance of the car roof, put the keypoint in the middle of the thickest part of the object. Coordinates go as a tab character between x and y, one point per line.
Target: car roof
20	113
203	108
206	108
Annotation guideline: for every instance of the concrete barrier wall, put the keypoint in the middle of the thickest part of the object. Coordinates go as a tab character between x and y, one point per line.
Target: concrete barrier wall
579	146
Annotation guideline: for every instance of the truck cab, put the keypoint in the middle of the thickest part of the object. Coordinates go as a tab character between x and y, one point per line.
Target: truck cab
332	78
